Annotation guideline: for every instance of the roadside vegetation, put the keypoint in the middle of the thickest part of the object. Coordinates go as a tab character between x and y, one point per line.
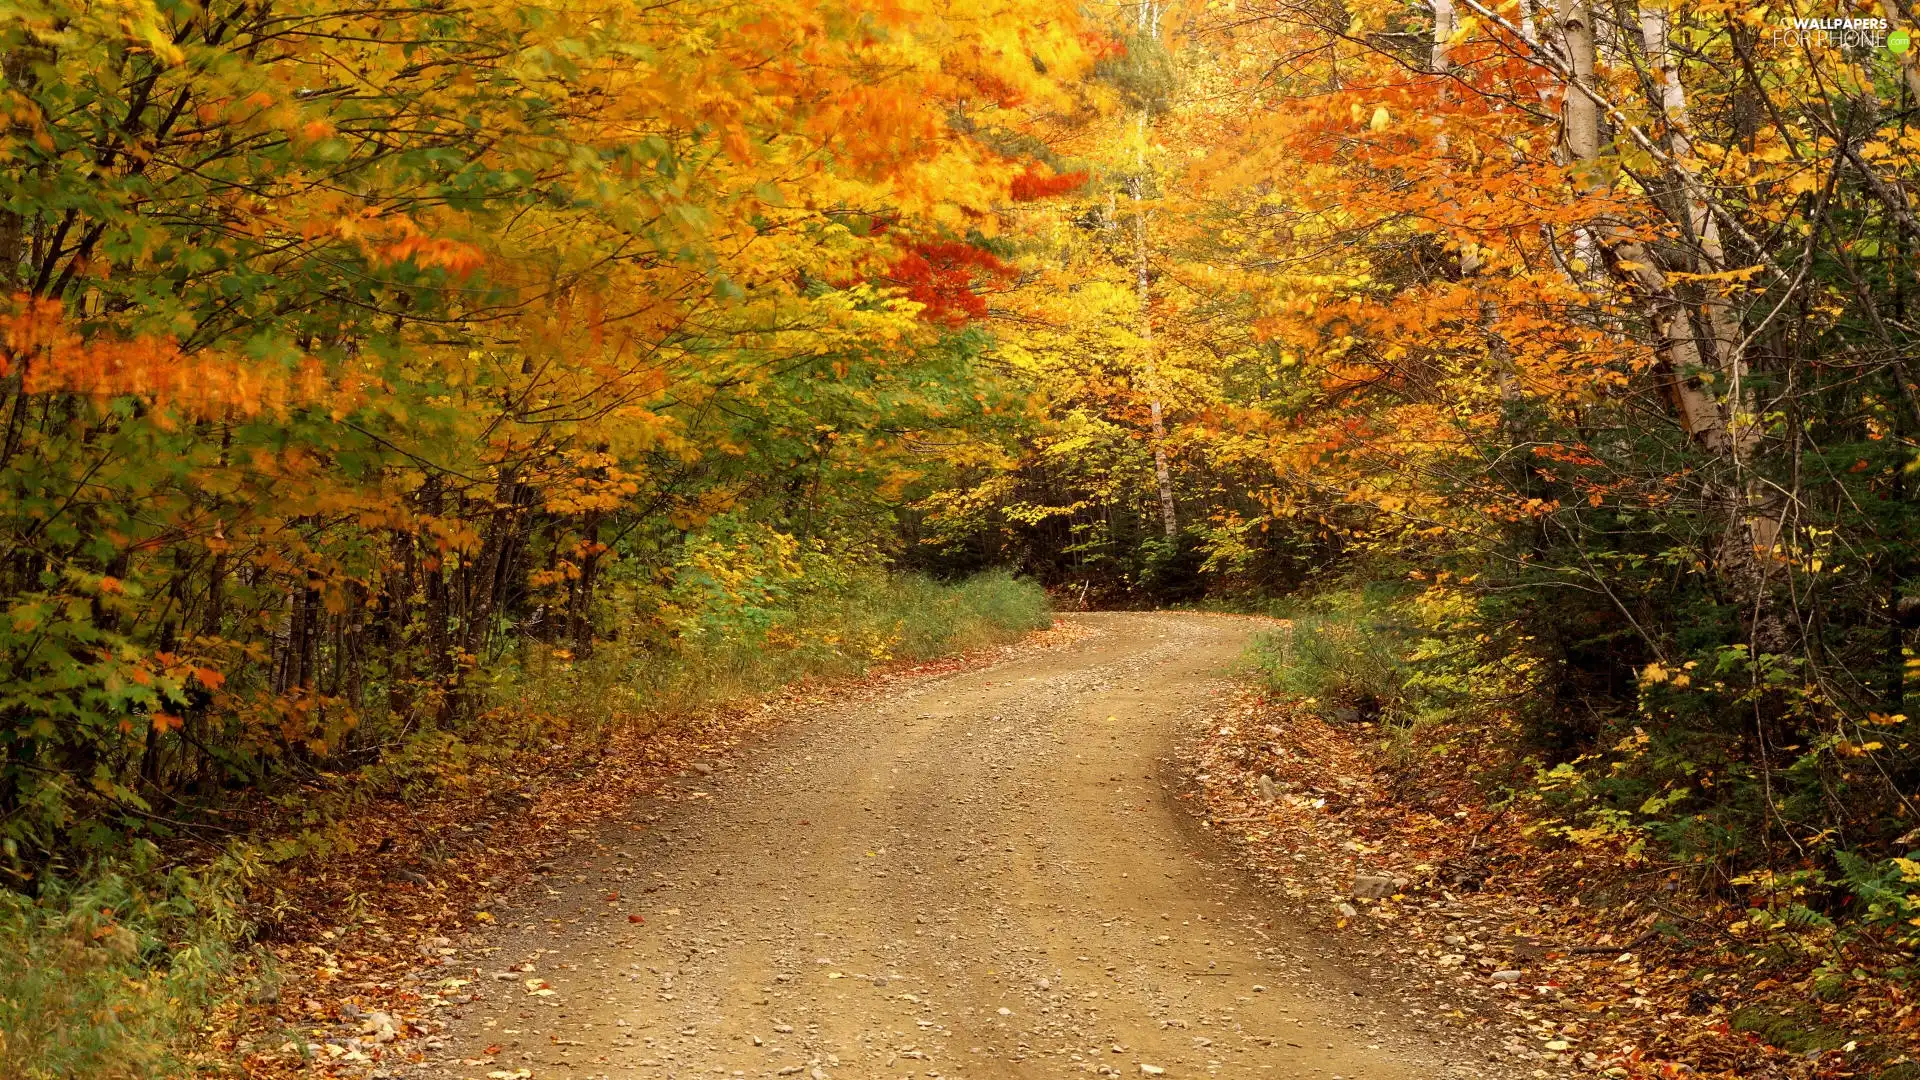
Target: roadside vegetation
1645	827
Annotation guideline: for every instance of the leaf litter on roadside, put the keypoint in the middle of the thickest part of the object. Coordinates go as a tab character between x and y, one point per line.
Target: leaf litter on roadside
1556	962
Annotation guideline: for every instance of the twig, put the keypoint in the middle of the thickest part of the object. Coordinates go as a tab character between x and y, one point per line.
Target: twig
1709	927
1598	950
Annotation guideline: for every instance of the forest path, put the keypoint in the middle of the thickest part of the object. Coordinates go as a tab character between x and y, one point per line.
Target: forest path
982	875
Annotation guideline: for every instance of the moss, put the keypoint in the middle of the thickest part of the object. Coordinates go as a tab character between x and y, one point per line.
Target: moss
1795	1033
1786	1031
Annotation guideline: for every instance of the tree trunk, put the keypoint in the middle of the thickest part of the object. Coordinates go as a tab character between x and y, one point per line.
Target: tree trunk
1726	428
1909	66
1143	285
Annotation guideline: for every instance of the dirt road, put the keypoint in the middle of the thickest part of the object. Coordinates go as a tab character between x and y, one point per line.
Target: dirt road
982	875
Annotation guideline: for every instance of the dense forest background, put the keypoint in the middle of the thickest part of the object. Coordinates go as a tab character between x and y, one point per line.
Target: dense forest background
389	389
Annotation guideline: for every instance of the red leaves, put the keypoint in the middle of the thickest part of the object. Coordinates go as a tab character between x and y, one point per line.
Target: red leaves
943	275
1101	45
1034	184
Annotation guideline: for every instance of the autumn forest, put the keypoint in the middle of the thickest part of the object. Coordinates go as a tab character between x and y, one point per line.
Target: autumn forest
396	394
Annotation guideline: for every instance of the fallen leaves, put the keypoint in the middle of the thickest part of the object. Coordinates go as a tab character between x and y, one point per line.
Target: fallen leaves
1500	940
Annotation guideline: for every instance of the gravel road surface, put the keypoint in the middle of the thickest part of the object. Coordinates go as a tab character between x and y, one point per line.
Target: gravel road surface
981	875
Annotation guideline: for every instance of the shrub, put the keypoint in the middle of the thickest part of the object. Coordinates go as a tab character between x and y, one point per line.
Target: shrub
1339	661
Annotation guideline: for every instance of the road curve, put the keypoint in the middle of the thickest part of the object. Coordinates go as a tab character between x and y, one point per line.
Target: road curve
979	875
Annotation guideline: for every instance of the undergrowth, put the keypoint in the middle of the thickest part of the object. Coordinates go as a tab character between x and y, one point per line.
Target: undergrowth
104	976
1404	659
1342	652
807	629
1797	854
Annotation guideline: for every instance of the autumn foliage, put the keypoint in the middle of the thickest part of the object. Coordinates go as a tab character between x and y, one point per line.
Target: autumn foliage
947	279
351	354
357	358
1575	338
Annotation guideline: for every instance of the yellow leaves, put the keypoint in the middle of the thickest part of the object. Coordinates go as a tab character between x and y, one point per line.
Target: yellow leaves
1736	275
1850	749
1876	150
1378	120
1655	674
143	23
1804	182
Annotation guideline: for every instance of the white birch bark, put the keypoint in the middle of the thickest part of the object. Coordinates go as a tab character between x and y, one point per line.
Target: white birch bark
1143	286
1718	426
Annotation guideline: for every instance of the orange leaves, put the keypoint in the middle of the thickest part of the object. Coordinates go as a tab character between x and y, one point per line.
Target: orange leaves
882	131
432	252
387	239
1101	44
53	356
1393	254
976	80
349	350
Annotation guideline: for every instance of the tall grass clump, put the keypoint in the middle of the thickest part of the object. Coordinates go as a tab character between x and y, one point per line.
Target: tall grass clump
1345	651
107	974
744	611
